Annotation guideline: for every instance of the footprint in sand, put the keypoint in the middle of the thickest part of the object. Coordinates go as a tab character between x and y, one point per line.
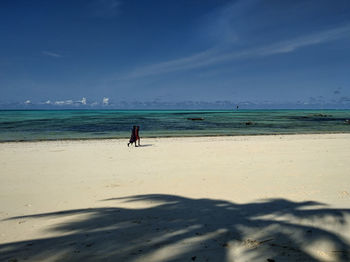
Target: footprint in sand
252	243
344	194
113	185
249	243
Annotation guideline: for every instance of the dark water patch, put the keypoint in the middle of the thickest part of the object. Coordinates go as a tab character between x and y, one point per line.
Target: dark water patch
201	113
316	119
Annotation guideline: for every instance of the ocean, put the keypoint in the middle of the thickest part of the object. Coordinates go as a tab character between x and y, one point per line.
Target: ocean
32	125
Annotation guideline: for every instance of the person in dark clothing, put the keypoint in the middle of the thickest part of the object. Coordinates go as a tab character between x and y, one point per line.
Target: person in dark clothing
137	134
133	136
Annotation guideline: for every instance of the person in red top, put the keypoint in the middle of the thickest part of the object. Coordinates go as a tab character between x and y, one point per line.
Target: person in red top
137	135
133	136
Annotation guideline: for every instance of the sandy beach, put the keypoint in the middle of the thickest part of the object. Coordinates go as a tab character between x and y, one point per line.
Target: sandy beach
244	198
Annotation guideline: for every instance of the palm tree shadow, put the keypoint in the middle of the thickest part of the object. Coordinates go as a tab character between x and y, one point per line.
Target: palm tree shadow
176	228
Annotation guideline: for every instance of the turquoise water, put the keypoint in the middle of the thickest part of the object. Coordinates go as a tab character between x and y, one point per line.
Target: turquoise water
83	124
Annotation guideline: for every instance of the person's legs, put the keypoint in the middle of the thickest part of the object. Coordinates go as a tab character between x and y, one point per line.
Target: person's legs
139	141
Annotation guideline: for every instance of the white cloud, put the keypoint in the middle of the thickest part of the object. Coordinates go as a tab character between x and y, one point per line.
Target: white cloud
52	54
66	102
27	102
81	102
105	101
220	54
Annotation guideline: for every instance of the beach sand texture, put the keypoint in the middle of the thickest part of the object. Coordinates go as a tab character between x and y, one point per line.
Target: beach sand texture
244	198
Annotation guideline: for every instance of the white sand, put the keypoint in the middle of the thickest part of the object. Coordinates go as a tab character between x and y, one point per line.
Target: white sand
222	197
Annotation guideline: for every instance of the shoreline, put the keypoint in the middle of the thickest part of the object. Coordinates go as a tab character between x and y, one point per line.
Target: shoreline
170	136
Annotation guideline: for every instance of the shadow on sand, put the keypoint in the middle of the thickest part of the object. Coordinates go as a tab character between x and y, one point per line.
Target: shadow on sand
174	228
145	145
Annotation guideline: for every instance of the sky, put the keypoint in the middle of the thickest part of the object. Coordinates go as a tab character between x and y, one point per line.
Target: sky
88	52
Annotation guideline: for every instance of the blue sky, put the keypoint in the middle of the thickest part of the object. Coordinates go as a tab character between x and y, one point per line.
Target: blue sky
199	50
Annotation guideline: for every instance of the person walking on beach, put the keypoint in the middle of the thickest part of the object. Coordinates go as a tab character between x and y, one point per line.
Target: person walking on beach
137	135
133	136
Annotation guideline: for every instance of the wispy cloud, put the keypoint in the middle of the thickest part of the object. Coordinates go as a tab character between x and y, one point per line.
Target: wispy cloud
222	54
312	39
105	8
220	25
52	54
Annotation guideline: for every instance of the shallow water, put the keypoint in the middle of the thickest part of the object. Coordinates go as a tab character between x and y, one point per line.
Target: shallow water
28	125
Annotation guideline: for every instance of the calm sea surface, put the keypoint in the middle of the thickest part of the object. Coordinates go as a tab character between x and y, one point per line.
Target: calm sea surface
82	124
